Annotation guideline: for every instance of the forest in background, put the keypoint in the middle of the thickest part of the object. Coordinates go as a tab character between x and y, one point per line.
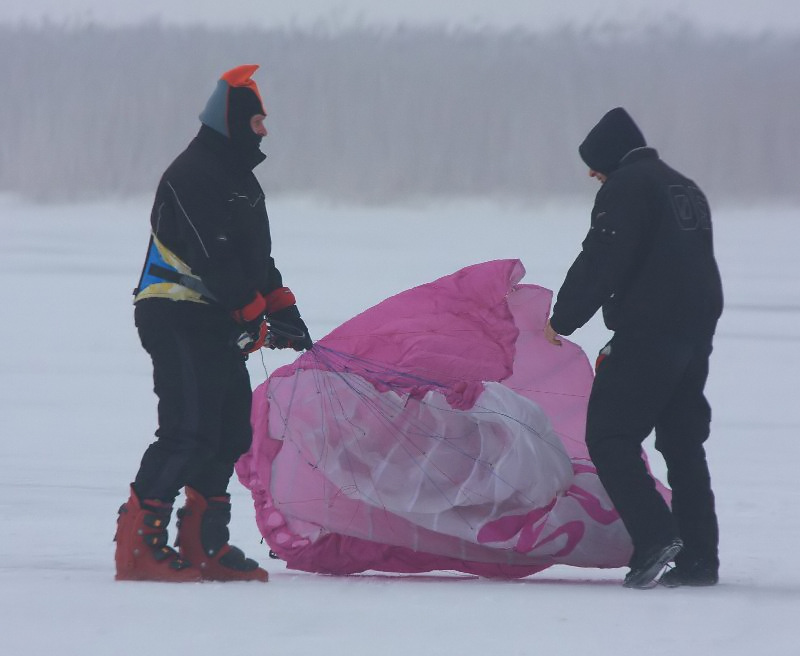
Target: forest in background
384	116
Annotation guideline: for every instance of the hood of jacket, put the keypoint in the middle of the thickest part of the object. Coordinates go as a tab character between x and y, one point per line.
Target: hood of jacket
614	136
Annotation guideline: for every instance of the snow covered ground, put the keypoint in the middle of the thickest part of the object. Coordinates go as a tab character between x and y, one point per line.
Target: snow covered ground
77	411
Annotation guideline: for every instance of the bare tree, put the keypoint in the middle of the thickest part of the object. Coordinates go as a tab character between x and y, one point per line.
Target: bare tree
383	116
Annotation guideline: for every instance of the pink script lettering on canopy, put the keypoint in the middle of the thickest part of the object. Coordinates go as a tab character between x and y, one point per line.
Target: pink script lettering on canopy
436	430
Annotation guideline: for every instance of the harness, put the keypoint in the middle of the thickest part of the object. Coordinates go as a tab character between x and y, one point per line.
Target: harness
160	276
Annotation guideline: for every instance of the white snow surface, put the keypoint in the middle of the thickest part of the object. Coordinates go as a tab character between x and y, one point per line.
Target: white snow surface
78	411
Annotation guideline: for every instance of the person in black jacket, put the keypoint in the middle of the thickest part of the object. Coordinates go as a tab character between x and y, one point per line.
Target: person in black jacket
648	262
209	294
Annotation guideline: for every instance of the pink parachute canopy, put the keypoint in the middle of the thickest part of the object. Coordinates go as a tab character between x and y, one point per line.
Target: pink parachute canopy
436	430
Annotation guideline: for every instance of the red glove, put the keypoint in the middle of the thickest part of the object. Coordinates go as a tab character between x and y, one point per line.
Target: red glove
254	310
254	324
250	341
280	302
284	316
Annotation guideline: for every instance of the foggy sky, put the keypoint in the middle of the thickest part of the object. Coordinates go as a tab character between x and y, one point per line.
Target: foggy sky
715	15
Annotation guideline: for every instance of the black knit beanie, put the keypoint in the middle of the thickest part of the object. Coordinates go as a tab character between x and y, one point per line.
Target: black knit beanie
610	140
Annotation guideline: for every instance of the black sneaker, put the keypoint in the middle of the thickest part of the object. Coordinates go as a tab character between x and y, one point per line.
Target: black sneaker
644	575
696	573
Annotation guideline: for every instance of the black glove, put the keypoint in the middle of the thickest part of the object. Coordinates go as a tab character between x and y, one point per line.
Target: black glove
288	330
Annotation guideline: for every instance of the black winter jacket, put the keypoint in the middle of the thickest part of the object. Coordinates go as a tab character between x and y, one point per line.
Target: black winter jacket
209	211
648	259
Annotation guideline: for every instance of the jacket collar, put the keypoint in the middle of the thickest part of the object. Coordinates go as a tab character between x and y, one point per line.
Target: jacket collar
241	158
637	155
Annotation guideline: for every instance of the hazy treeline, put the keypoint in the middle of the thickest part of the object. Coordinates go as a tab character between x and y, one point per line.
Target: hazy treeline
368	115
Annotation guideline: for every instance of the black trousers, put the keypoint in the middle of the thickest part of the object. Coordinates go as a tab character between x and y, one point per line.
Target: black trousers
204	399
655	382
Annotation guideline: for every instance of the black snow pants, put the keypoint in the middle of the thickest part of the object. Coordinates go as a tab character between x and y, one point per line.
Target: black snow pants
655	382
204	399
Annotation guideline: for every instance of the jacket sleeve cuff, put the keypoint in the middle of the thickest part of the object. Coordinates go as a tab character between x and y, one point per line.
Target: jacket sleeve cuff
279	299
559	328
251	311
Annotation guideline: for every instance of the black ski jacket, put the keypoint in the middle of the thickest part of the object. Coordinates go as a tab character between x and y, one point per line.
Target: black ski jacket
209	211
648	259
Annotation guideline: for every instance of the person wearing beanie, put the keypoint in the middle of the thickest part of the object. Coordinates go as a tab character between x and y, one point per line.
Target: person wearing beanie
648	262
208	295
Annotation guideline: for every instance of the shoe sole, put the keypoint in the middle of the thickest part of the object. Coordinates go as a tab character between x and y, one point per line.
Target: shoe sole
234	577
152	579
688	584
647	577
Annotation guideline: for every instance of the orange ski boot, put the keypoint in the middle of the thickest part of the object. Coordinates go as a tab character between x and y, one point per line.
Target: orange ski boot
142	553
203	540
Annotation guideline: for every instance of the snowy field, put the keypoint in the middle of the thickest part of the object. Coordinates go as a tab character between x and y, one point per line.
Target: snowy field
78	411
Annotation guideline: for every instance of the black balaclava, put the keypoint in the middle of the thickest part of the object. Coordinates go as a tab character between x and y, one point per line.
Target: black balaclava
610	140
243	104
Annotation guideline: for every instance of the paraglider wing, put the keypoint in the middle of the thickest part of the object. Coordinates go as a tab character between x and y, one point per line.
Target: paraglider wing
436	430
